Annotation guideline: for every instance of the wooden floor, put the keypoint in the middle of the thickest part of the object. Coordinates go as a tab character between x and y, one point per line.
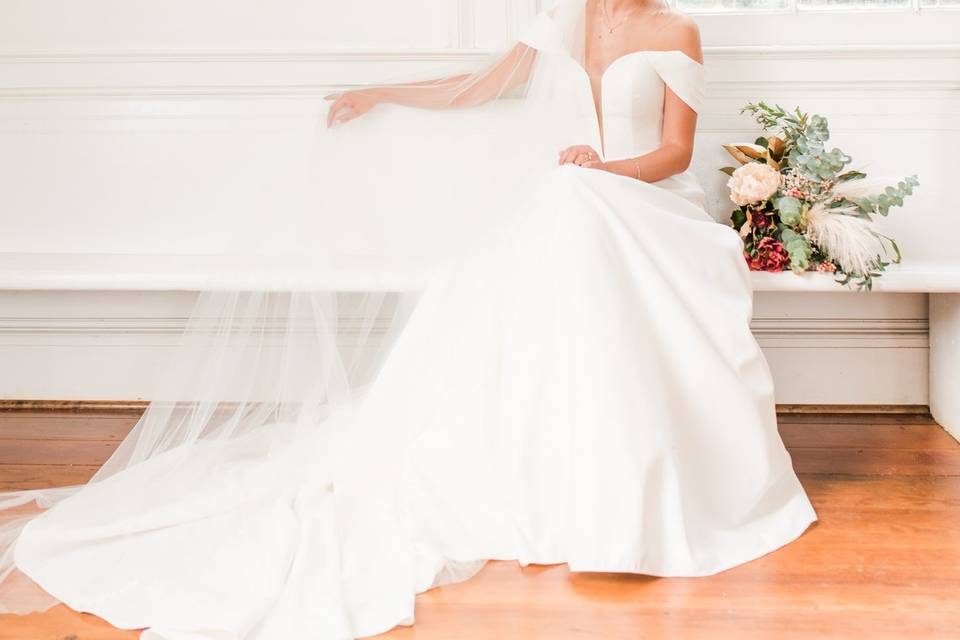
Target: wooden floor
883	560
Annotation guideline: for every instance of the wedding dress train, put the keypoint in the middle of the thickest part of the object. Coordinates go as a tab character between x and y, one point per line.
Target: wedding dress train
586	390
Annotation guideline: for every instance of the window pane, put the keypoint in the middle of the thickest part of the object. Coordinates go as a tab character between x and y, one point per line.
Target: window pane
731	5
853	4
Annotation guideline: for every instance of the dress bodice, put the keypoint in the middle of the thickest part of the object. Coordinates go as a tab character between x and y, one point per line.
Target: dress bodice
631	90
631	93
632	98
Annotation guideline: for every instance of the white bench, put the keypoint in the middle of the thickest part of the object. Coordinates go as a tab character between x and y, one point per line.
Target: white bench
84	272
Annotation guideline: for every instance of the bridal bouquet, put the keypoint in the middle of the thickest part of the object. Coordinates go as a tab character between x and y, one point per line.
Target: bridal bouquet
800	209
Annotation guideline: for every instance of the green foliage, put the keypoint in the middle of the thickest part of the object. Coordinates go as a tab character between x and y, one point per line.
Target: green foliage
812	160
805	136
791	210
851	175
738	218
798	248
891	197
774	118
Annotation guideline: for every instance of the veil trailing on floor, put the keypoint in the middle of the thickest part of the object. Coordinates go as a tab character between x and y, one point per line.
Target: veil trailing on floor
327	262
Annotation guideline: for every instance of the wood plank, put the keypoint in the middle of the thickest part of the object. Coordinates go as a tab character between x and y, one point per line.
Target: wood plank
52	426
875	462
82	452
17	477
867	436
882	561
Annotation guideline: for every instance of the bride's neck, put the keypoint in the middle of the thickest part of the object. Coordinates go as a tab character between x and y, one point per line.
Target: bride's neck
622	6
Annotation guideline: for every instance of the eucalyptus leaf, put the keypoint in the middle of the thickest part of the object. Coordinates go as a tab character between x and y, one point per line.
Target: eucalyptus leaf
799	250
791	210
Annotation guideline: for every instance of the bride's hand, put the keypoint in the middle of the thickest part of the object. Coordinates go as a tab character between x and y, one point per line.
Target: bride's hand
349	105
581	155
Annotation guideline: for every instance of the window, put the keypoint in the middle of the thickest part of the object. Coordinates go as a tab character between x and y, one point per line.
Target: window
716	6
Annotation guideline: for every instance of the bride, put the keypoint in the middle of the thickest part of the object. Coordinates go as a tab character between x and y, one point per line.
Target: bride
571	379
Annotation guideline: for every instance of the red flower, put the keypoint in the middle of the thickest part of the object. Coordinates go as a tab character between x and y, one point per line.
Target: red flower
761	220
769	256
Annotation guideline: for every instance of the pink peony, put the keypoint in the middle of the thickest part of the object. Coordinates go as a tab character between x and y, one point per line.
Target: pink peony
770	256
752	183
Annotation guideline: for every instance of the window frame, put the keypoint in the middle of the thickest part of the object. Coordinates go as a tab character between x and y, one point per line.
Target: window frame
793	6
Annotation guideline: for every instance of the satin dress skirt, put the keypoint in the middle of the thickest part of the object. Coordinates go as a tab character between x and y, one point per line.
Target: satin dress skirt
585	390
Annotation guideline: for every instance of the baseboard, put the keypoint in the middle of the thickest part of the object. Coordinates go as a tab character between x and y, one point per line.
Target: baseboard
74	406
888	409
138	406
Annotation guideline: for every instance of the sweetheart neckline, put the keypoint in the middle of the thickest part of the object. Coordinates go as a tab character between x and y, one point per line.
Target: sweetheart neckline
598	100
630	54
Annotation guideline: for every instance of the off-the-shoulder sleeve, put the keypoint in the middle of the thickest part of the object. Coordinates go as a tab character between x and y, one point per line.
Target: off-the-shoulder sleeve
542	34
684	75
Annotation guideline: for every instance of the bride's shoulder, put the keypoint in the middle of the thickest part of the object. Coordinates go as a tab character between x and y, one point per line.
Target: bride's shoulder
680	32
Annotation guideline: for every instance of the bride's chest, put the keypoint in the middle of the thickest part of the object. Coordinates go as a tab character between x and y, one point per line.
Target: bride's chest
627	86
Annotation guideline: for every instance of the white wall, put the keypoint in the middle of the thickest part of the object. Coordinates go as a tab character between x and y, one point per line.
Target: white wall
122	122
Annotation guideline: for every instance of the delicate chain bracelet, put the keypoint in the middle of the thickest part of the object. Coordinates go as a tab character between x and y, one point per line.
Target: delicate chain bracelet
636	163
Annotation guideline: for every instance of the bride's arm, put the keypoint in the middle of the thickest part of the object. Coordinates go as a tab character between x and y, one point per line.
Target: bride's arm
679	122
510	71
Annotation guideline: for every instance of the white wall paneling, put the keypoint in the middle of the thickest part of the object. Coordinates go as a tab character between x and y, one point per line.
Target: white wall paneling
101	103
106	345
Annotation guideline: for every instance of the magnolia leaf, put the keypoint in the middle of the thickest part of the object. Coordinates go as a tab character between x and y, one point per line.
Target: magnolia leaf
753	151
761	141
776	146
773	163
728	170
737	155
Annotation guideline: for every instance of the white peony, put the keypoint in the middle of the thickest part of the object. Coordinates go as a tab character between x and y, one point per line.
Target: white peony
752	183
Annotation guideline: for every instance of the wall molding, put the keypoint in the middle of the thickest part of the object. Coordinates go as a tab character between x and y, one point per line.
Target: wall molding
27	74
715	90
453	54
851	331
82	327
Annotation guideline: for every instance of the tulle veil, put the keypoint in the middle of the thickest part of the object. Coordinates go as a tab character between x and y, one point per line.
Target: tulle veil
326	264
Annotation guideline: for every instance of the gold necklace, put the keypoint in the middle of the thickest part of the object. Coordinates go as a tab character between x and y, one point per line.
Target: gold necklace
606	18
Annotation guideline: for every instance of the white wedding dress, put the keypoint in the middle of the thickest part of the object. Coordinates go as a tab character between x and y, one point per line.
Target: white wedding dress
585	390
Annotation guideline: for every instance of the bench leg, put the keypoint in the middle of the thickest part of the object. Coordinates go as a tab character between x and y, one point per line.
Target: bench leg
945	361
